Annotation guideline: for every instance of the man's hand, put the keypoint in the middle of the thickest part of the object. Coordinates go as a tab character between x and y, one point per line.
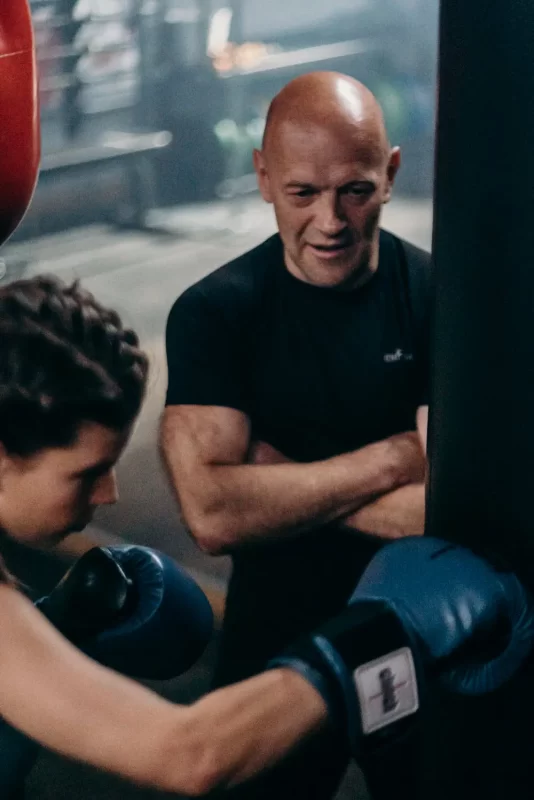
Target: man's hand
410	453
401	512
422	425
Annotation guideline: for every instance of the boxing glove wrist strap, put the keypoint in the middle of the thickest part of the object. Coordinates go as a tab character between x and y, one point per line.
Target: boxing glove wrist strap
363	666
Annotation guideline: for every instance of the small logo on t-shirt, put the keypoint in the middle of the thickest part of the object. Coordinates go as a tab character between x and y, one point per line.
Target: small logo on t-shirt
398	355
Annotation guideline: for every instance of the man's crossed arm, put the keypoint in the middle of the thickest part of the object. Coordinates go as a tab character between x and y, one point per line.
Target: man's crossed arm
233	492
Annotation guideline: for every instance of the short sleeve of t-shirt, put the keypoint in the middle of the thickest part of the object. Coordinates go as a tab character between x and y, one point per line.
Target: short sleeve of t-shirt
205	354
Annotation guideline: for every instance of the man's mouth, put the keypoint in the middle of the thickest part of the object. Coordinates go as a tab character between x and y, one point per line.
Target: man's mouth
331	250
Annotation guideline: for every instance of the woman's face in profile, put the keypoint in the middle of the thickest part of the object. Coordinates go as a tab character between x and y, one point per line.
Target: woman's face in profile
46	496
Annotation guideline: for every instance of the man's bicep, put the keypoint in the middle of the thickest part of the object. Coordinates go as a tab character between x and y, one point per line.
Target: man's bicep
195	436
196	441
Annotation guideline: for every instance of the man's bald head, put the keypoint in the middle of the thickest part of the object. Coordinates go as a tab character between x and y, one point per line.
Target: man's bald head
327	168
330	101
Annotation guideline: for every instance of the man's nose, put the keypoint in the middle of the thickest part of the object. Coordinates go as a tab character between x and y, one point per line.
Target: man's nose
330	220
106	491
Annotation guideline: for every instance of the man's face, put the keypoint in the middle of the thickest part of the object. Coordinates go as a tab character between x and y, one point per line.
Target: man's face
47	496
327	190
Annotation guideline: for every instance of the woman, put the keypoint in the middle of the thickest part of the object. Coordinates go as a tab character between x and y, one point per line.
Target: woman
72	382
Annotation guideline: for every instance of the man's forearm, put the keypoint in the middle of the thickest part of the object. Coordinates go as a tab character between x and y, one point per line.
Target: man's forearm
392	516
233	505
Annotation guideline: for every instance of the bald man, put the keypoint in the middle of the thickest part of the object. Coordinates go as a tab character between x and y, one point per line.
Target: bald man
295	376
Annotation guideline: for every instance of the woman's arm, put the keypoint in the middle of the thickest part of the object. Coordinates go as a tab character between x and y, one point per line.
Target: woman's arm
252	725
54	694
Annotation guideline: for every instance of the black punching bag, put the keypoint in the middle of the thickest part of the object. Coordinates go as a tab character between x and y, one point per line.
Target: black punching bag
481	433
481	436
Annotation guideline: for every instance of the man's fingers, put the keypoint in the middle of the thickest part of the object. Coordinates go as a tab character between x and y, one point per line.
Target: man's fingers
421	419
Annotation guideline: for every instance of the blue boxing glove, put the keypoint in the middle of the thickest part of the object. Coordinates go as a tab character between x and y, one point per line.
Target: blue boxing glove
132	609
472	621
422	607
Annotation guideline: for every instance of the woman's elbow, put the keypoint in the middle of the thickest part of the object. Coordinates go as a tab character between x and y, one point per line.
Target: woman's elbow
199	780
208	777
196	760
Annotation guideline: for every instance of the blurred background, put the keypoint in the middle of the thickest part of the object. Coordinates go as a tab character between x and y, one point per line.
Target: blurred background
150	111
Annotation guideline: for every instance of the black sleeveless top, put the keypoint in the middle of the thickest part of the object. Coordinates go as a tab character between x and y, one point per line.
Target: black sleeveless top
17	756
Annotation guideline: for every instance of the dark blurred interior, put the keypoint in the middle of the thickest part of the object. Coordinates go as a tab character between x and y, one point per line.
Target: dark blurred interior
154	103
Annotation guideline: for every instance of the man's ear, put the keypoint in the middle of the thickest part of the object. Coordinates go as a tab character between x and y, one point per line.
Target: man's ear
262	176
392	169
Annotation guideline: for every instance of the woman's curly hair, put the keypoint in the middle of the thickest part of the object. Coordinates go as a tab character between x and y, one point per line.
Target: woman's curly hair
64	359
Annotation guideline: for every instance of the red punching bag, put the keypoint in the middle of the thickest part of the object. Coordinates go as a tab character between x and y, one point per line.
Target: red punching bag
19	115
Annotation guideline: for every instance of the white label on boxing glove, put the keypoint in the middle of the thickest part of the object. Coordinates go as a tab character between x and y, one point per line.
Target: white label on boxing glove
387	689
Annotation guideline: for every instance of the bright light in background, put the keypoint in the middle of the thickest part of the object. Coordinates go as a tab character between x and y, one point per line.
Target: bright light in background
219	31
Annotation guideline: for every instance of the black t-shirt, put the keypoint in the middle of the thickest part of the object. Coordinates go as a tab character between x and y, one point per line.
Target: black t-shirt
319	373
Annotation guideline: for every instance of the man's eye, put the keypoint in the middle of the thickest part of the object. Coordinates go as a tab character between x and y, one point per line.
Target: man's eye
304	193
359	191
